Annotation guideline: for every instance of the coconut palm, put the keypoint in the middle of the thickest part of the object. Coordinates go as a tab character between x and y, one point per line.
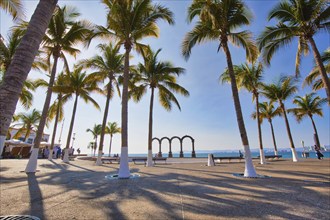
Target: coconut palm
281	91
302	19
217	21
107	66
314	76
250	78
129	21
13	7
28	121
161	75
96	131
307	106
268	111
11	87
78	84
63	33
112	129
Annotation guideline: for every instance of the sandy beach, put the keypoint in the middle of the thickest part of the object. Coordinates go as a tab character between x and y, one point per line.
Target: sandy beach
187	190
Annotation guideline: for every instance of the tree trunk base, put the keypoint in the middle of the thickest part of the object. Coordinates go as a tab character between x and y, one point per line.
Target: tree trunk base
2	144
249	167
294	155
124	172
66	156
262	157
98	160
210	161
149	159
31	166
50	156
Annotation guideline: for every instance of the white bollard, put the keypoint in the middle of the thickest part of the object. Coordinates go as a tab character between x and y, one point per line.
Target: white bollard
210	161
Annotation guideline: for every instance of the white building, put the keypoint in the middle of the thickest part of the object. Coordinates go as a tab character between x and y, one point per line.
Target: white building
30	139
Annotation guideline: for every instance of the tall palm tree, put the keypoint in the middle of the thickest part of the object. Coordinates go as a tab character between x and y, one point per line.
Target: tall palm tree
63	33
129	21
314	76
112	129
217	21
297	18
268	111
78	84
29	121
7	51
250	78
107	66
281	91
307	106
13	7
96	131
12	84
161	75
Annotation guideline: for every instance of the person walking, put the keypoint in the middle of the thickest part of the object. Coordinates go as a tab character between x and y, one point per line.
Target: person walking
318	152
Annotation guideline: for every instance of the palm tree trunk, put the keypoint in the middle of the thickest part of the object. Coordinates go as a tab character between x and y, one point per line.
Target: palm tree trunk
323	73
294	153
68	140
104	122
316	134
27	133
149	161
124	168
59	98
262	155
17	72
249	168
110	145
32	164
273	135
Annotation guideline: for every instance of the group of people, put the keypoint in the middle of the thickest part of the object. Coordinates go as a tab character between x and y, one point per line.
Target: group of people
57	152
318	152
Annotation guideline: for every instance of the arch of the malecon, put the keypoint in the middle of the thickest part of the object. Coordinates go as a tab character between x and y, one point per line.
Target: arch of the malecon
193	154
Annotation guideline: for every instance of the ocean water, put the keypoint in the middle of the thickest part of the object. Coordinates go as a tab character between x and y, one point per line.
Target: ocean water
233	154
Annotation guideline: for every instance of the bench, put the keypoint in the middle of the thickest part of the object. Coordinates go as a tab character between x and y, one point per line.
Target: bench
144	159
159	159
226	158
110	160
72	157
272	156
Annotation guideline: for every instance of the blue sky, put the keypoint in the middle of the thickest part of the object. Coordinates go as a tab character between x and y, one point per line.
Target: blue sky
208	115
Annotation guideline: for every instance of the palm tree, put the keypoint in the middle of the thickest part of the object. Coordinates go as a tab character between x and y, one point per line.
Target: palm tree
302	19
250	77
281	91
63	33
12	84
112	129
159	75
7	51
29	121
80	85
217	21
129	21
268	111
107	66
13	7
96	131
308	106
314	76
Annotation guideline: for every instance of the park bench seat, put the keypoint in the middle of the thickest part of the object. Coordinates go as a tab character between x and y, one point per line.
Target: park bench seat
110	160
226	158
272	156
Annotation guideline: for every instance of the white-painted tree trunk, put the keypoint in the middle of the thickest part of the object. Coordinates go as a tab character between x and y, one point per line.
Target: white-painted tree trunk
262	157
2	144
31	166
149	159
210	161
66	155
124	172
50	156
249	168
98	160
276	153
294	155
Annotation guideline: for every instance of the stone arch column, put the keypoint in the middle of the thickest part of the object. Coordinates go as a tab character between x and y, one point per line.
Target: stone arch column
160	146
176	137
169	141
193	153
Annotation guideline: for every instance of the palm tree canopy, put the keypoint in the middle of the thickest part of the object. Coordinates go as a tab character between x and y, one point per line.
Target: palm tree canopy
307	106
296	18
13	7
281	90
96	131
267	111
112	128
217	22
129	21
161	75
28	121
314	76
